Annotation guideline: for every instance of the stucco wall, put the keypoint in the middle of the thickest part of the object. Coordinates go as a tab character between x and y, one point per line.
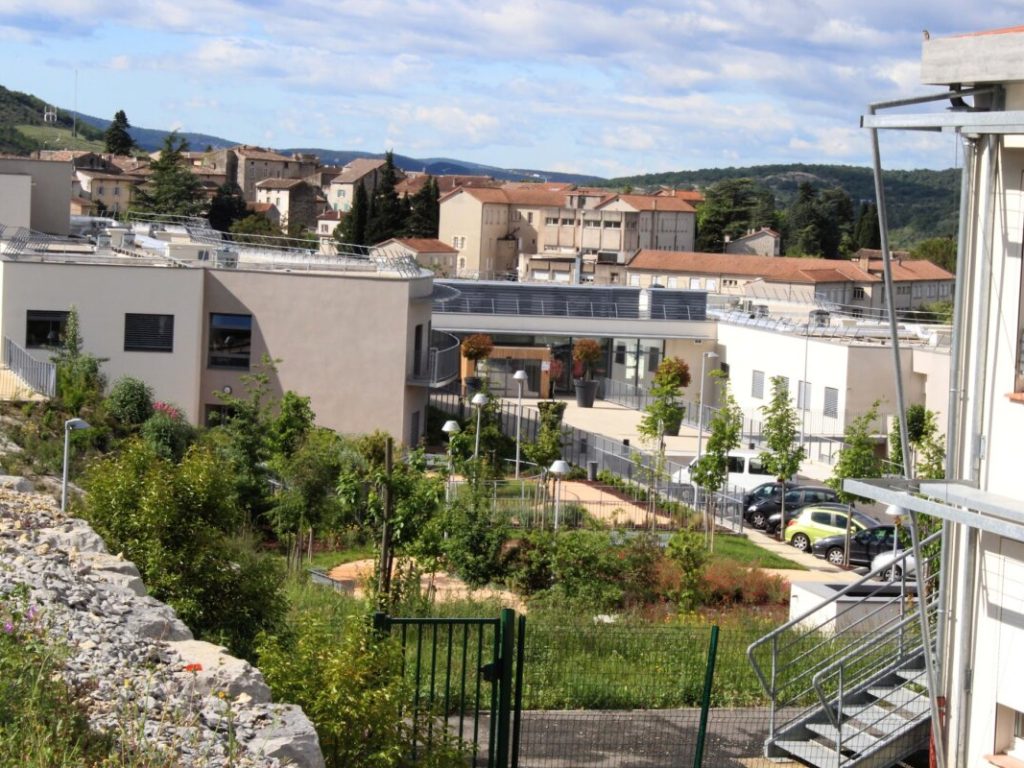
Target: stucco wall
15	200
51	191
102	295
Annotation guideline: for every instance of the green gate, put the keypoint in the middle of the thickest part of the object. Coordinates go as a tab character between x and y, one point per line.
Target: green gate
466	675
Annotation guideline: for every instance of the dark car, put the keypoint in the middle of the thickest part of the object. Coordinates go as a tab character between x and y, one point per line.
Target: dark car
761	492
864	545
759	513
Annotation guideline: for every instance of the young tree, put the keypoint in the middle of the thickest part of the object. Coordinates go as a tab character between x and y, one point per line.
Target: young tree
387	217
726	430
857	459
80	382
866	233
352	228
664	413
117	140
172	189
940	251
254	224
731	208
779	431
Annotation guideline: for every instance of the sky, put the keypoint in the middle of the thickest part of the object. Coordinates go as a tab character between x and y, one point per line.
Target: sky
597	87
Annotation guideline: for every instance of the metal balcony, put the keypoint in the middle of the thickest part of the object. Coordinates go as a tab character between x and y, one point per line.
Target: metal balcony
442	363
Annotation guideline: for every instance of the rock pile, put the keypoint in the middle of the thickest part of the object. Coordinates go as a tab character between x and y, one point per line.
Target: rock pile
145	678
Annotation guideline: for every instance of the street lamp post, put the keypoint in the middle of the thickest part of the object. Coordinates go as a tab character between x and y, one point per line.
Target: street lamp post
700	406
450	428
479	400
520	378
69	425
559	469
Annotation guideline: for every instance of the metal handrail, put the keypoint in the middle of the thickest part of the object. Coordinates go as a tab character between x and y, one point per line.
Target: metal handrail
41	376
866	641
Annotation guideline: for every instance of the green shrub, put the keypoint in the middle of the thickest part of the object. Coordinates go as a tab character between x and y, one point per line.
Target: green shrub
178	523
130	401
689	552
167	433
348	680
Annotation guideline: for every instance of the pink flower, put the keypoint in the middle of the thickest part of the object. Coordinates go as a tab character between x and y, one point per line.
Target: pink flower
8	627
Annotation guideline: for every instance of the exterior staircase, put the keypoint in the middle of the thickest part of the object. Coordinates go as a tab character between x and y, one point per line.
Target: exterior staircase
24	378
847	678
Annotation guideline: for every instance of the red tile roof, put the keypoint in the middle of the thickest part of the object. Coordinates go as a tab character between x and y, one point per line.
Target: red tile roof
422	244
330	216
773	269
259	153
689	195
279	183
357	169
526	195
652	203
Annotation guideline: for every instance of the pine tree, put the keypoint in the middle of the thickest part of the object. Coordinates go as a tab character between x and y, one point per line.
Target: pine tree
117	139
386	218
172	189
352	228
866	234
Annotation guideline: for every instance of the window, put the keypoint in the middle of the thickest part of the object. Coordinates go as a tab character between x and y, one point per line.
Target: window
613	225
757	385
724	368
117	191
551	221
148	333
591	223
803	396
44	328
529	217
858	292
568	222
694	283
831	408
230	340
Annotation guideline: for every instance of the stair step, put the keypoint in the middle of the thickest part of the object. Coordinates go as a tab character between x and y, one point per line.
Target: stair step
811	752
854	739
907	703
913	675
875	718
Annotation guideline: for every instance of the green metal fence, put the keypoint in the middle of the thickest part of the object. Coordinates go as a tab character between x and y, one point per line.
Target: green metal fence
462	674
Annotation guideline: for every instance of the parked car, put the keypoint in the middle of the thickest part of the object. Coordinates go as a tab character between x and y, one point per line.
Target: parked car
759	514
745	471
893	570
763	491
816	521
864	545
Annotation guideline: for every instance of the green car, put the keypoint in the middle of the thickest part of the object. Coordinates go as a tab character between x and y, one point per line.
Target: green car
817	521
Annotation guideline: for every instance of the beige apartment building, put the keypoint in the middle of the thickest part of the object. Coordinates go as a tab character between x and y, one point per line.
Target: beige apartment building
763	242
109	192
430	253
531	228
36	194
853	284
192	324
364	172
294	199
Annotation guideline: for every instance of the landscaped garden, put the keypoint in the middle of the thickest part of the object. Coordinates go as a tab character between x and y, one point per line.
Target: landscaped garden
223	523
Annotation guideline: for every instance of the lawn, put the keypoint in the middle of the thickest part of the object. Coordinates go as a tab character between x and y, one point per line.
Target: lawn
54	137
743	550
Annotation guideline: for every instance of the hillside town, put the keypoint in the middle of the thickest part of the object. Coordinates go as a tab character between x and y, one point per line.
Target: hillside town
462	470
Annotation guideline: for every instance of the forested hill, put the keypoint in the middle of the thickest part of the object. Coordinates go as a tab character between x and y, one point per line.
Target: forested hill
24	109
921	203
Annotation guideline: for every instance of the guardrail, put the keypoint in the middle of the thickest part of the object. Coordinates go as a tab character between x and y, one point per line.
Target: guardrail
41	376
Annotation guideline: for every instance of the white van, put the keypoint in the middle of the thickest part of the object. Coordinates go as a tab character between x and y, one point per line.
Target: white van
745	471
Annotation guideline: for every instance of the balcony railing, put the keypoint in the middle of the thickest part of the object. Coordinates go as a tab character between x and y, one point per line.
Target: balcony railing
442	362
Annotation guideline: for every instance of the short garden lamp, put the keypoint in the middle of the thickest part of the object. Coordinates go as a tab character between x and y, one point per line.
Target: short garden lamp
520	379
450	428
559	469
68	426
479	400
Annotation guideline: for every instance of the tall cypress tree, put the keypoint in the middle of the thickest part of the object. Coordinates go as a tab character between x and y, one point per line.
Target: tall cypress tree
423	212
352	228
386	218
117	139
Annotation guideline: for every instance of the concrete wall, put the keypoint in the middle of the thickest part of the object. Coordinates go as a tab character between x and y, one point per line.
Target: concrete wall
16	200
102	295
51	191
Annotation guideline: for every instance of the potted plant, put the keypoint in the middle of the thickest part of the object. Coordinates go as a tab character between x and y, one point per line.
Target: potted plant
476	347
664	414
586	353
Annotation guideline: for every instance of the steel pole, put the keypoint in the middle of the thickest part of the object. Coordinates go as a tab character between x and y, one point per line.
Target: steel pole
64	478
519	423
476	446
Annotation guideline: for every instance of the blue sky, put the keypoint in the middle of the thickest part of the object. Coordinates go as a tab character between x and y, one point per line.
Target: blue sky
608	88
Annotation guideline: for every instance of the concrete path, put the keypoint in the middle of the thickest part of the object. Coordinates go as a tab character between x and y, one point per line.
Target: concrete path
12	387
